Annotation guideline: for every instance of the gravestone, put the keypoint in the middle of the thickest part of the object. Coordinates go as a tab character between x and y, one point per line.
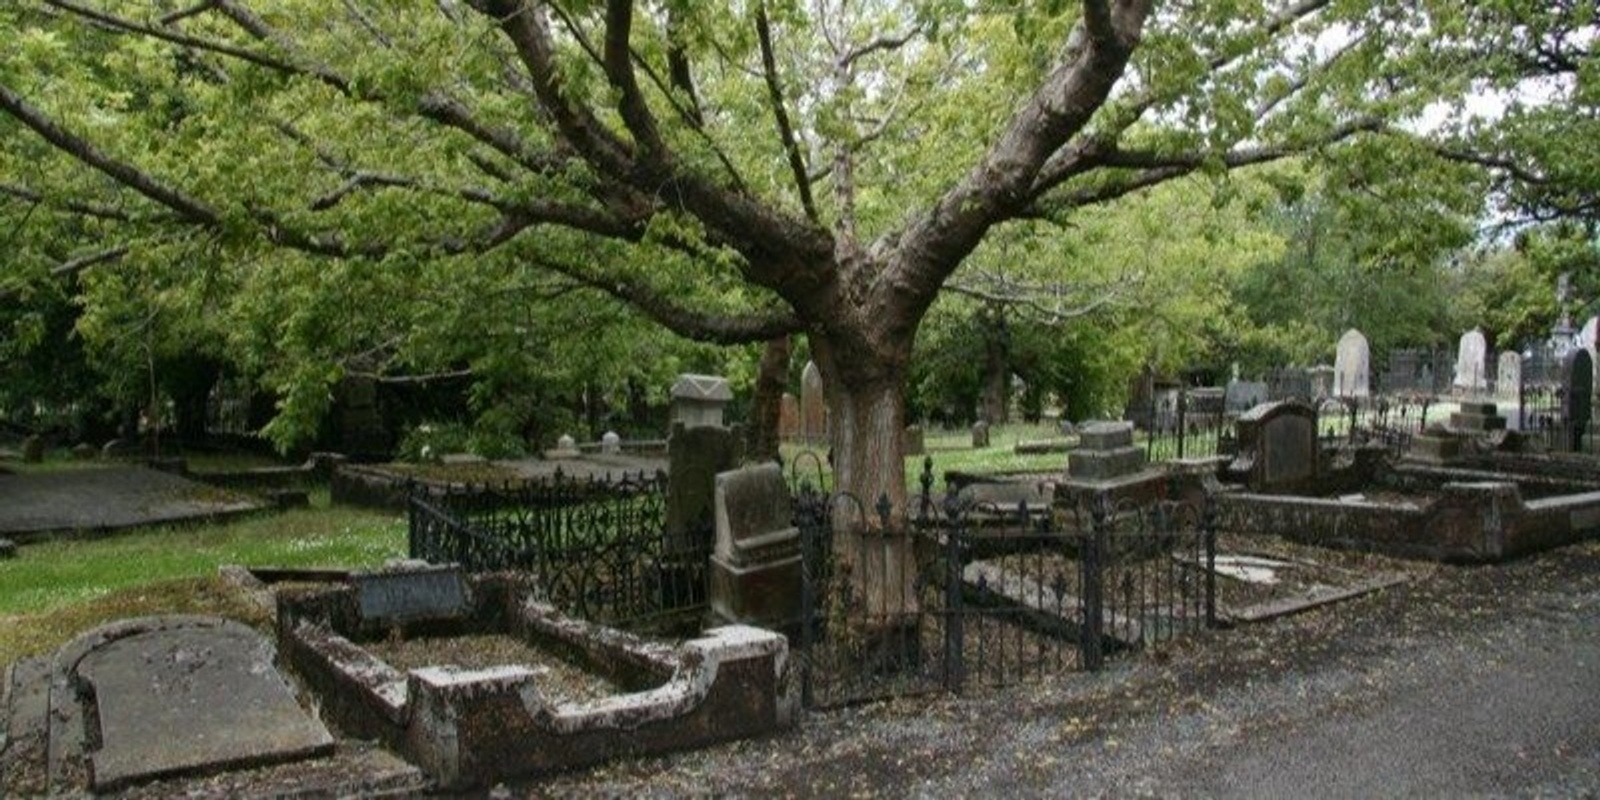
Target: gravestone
788	417
120	448
83	451
1402	373
694	457
755	565
8	549
1589	334
1508	376
914	442
1577	395
1470	374
980	434
1436	445
1105	451
33	449
700	400
1351	366
190	695
412	595
813	405
566	448
1140	409
1241	396
610	443
1277	446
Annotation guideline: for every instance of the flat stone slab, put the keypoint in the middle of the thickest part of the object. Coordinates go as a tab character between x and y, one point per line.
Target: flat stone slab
192	699
36	504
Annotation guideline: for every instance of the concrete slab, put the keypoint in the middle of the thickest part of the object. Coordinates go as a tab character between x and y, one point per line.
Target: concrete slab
35	505
192	699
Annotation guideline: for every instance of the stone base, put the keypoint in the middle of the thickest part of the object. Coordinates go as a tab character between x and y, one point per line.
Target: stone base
1433	449
1104	464
764	595
1475	421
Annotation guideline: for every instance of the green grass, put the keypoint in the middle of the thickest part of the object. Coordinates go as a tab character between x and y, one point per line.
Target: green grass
53	574
952	451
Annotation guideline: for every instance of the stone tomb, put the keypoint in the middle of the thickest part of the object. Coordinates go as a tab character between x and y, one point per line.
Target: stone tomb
755	567
1277	446
699	400
1105	451
180	695
914	442
788	417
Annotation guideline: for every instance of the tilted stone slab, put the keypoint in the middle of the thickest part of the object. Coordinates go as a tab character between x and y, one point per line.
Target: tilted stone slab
1104	464
1105	435
188	699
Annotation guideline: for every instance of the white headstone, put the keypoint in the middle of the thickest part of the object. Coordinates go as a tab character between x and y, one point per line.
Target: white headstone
1590	334
610	443
1350	366
1470	373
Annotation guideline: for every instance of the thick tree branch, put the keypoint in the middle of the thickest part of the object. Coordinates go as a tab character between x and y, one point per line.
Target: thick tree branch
74	206
791	147
187	207
695	325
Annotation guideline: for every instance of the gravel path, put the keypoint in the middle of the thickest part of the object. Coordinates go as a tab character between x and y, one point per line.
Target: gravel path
1469	681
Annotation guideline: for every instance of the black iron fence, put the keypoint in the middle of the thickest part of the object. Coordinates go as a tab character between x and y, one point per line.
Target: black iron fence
957	596
1184	423
599	549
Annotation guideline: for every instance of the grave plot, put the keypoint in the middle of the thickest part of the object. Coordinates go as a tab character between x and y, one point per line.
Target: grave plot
474	680
45	504
184	701
1262	577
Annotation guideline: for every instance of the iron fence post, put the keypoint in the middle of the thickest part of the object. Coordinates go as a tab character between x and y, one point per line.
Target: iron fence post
1092	583
1208	530
808	617
955	667
412	545
1183	413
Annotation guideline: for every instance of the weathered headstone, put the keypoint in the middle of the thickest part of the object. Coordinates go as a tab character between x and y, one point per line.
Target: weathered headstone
1105	451
83	451
412	595
813	405
610	443
1589	334
1402	373
699	400
694	457
1470	374
788	417
1508	376
914	442
8	549
33	449
980	434
1242	396
755	565
566	448
119	448
1277	446
191	696
1351	366
1140	409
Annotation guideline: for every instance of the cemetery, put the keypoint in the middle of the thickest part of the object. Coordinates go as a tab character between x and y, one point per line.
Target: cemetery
529	397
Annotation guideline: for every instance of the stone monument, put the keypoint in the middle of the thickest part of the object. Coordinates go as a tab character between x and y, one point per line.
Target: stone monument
1471	376
756	571
980	435
813	405
1278	446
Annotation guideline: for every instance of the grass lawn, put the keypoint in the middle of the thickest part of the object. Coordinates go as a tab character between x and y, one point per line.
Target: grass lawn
950	451
53	590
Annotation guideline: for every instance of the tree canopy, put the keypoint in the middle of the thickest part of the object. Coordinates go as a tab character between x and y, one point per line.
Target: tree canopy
732	172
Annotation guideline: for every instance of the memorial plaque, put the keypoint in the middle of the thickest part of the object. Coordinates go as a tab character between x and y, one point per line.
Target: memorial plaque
437	593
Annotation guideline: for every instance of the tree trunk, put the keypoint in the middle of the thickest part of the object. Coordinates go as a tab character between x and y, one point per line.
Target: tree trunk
865	389
767	406
996	366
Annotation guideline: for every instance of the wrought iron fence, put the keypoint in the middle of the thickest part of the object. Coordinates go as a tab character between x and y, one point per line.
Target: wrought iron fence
598	549
957	596
1186	423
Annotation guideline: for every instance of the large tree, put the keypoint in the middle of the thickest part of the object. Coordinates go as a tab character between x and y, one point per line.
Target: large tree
736	172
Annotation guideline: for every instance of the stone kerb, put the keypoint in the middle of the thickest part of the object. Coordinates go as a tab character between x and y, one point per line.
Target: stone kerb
755	574
1277	446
